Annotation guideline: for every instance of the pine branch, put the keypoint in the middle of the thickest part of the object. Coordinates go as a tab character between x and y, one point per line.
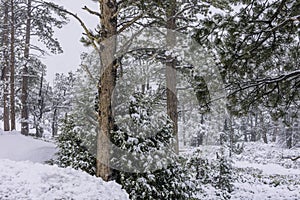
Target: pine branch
86	30
128	24
85	68
267	81
91	11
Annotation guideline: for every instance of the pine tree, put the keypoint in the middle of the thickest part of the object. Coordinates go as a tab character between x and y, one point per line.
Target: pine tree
62	95
39	22
40	99
5	63
116	17
71	150
85	98
223	181
215	173
147	167
257	48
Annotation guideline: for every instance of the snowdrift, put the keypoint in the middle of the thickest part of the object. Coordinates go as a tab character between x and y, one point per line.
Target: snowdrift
22	176
34	181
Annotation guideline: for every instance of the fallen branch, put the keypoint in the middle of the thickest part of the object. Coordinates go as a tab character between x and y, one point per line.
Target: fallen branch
290	157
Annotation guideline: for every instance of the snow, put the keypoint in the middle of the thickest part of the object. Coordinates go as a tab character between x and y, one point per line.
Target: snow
265	174
23	176
267	169
17	147
260	172
35	181
248	191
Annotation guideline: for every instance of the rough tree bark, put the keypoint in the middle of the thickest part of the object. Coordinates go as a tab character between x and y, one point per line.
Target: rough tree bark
5	70
106	85
24	98
172	102
12	68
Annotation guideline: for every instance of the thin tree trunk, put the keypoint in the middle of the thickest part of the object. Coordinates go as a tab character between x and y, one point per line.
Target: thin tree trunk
12	68
39	129
172	102
264	129
275	130
106	85
252	130
54	123
289	136
5	70
24	98
200	137
184	121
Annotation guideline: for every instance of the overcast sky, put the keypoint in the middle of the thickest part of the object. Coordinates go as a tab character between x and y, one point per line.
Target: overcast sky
69	37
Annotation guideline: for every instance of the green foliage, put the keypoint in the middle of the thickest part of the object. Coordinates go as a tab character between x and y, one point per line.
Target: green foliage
171	182
257	47
216	173
148	168
223	181
71	151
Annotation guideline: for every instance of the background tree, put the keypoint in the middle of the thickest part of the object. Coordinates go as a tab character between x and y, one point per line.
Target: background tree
40	23
257	48
71	150
5	64
61	99
12	66
40	99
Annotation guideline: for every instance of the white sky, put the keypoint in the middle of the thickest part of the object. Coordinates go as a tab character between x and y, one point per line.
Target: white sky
69	37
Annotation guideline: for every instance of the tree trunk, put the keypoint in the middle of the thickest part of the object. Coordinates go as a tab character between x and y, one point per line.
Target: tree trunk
12	68
39	129
5	70
54	123
244	129
263	129
184	122
252	130
106	85
24	98
289	137
200	136
171	72
275	130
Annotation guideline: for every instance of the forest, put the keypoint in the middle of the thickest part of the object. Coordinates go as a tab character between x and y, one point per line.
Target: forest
173	99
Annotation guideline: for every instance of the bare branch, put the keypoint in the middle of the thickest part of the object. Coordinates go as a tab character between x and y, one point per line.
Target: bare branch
91	11
290	157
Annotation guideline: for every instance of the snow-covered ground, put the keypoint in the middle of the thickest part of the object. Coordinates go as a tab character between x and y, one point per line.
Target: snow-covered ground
34	181
14	146
261	172
22	176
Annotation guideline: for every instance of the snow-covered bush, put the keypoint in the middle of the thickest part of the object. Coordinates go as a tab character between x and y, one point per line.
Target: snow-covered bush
224	179
215	174
71	150
148	168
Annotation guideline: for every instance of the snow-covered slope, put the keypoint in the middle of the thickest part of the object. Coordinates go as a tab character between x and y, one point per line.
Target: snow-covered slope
22	176
14	146
34	181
